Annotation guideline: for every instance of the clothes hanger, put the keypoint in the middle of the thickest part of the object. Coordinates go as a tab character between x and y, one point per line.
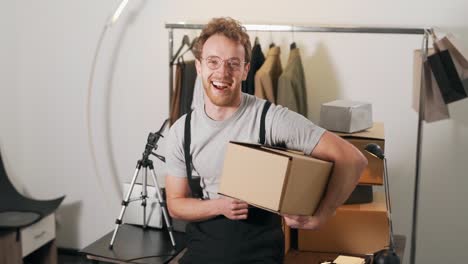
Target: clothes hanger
293	44
190	48
181	61
256	41
272	44
185	42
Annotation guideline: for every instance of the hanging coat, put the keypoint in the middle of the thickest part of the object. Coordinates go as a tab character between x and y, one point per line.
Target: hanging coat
266	78
248	86
291	85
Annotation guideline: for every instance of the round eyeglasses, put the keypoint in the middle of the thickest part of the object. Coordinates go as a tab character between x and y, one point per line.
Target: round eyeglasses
214	62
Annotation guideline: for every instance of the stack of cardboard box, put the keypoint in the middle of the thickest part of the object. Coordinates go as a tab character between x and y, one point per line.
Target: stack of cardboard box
287	182
356	228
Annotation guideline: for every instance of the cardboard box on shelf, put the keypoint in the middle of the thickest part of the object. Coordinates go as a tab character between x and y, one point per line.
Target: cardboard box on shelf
274	179
373	174
355	229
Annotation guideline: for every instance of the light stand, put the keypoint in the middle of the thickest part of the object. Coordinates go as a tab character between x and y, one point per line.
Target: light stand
417	176
109	23
384	256
145	162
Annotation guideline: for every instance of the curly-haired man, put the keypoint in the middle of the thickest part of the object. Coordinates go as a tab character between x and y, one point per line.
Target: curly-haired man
226	230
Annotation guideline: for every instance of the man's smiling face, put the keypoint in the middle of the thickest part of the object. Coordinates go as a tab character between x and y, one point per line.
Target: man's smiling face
222	69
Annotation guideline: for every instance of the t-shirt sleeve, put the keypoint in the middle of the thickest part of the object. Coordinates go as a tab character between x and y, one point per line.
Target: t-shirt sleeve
291	130
175	159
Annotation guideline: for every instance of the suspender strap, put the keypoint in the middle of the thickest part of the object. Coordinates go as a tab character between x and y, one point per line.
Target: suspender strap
194	184
266	106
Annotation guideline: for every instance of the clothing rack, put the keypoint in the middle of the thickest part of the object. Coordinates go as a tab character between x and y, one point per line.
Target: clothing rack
424	31
294	28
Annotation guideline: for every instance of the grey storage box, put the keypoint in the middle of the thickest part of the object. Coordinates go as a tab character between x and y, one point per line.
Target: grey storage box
346	116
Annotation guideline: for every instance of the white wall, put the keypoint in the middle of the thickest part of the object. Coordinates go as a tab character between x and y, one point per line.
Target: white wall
49	47
8	63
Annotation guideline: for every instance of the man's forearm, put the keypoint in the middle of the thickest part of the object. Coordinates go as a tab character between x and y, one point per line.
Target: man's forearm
348	165
343	180
190	209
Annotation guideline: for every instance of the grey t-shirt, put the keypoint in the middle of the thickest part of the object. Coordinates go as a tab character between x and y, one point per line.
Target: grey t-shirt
209	138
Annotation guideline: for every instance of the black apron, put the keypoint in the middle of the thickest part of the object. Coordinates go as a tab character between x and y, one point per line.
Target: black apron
258	239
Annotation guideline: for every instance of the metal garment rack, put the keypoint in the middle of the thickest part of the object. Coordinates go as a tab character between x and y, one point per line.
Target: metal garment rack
425	32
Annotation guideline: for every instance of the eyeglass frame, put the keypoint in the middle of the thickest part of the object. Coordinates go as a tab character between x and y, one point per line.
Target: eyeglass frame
242	63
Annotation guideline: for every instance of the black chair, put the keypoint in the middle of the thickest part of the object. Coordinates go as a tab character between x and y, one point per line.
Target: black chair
17	211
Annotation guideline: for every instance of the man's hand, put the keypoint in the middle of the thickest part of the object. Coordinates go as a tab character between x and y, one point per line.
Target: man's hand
233	209
303	221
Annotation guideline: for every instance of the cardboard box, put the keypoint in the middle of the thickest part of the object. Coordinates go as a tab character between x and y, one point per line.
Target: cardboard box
373	174
277	180
355	229
346	116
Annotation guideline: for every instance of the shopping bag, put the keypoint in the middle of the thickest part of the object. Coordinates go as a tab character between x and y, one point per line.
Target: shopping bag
459	55
446	75
435	108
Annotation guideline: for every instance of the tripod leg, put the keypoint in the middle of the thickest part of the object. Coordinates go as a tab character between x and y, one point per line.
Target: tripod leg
162	203
118	221
144	196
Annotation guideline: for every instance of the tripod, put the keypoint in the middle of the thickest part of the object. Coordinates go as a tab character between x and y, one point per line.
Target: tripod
146	163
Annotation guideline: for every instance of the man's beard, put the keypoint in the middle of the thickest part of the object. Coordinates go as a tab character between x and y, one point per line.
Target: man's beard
227	97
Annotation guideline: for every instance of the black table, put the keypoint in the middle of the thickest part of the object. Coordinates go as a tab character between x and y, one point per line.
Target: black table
134	244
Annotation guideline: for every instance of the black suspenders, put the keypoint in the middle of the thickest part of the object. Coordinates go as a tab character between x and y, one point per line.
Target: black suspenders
194	184
266	106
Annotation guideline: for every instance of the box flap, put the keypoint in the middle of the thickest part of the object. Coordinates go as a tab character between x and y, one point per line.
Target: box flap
375	132
247	144
260	147
296	155
273	149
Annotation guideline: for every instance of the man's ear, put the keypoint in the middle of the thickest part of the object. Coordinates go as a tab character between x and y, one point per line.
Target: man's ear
246	71
198	66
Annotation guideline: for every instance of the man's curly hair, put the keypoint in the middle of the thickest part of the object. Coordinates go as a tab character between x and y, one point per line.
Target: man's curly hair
228	27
